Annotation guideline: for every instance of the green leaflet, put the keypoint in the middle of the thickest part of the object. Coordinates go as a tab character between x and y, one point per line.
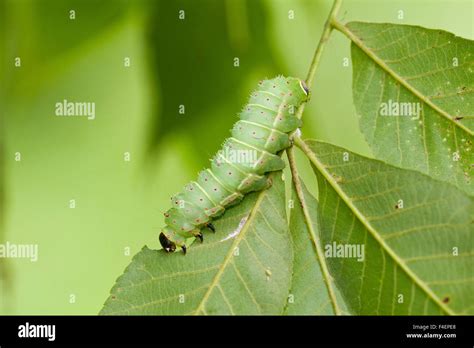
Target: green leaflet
409	266
401	66
245	274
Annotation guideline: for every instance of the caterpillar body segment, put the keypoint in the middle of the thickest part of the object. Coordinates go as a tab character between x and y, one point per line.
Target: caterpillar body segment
242	164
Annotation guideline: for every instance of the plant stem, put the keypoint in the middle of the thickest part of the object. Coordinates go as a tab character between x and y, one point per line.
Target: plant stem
319	49
322	42
310	224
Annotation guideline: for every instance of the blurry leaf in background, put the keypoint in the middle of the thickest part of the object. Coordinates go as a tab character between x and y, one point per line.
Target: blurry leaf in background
75	158
4	271
416	232
242	268
42	33
194	48
4	279
428	76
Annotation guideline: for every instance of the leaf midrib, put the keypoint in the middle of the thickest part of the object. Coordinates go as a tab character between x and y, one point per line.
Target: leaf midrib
322	169
372	55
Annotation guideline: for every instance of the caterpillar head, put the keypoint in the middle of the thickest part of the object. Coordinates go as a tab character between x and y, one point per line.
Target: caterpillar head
167	245
305	89
298	90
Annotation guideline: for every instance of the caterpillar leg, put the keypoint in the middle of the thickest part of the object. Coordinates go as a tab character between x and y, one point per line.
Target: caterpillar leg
200	237
211	227
167	245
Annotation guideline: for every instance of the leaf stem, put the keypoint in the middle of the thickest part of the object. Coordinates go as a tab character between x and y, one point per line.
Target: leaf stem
314	234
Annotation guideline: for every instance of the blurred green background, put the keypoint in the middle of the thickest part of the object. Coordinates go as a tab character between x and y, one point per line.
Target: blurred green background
173	62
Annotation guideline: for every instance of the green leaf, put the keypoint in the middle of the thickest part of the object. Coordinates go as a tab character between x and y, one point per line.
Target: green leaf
416	231
408	66
312	289
244	268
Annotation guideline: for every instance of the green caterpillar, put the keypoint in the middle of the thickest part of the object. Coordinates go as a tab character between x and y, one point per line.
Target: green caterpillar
241	165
